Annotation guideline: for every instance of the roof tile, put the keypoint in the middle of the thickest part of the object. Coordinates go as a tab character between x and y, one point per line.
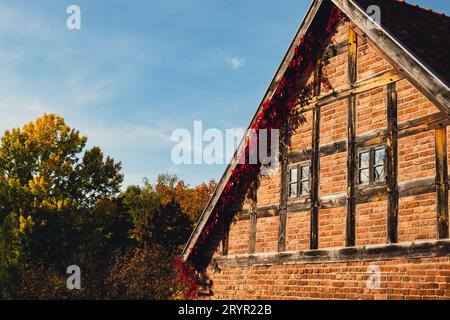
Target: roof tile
423	32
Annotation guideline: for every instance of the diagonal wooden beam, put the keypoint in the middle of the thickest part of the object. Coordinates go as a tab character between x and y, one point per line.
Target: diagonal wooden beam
306	23
343	92
428	83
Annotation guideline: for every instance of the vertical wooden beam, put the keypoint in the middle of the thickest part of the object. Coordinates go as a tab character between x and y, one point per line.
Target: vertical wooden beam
283	185
351	172
315	163
392	164
318	78
351	140
441	183
252	233
253	219
352	55
225	239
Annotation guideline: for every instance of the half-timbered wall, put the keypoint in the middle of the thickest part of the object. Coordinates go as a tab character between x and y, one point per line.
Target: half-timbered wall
372	107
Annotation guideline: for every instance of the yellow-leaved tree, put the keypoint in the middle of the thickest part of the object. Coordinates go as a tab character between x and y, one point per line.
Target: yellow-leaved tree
49	186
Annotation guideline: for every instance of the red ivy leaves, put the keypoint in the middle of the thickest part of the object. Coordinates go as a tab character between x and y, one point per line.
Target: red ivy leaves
187	278
273	113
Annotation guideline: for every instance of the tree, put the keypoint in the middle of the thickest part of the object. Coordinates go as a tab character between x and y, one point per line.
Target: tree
49	189
162	216
142	273
42	166
192	201
60	205
139	201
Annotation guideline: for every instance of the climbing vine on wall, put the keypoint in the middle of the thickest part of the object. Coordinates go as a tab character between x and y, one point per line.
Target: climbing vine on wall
275	111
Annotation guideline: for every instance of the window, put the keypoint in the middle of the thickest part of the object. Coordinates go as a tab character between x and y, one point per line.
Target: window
304	180
371	166
299	183
293	183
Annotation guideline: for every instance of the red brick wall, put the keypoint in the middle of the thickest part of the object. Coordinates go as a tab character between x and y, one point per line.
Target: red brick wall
417	218
335	68
371	111
400	279
267	234
332	227
371	223
369	62
416	158
411	103
333	174
269	189
301	138
297	231
333	118
239	237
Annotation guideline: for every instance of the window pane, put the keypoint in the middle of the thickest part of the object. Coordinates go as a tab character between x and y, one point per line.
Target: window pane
364	160
304	188
305	173
292	190
364	176
379	157
293	175
379	173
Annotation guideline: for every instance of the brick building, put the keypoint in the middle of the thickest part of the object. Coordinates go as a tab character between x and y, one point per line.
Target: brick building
362	190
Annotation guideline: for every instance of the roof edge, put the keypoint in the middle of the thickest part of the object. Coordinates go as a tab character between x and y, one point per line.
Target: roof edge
304	26
416	71
431	85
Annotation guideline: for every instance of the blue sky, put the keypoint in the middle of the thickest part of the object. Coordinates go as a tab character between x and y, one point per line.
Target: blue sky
137	70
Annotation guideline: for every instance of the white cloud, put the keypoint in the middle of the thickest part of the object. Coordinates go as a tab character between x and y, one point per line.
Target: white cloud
236	62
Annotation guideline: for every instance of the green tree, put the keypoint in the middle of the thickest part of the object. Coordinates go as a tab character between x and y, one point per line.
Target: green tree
50	186
60	205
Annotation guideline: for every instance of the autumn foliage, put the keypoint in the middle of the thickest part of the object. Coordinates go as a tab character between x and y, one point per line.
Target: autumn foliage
62	204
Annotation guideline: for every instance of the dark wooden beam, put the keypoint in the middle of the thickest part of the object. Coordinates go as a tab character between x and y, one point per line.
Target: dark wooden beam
324	150
206	215
252	233
375	137
441	183
253	218
334	50
421	77
351	139
429	249
352	55
315	172
368	194
284	196
343	92
423	124
392	164
351	172
263	212
317	78
225	239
